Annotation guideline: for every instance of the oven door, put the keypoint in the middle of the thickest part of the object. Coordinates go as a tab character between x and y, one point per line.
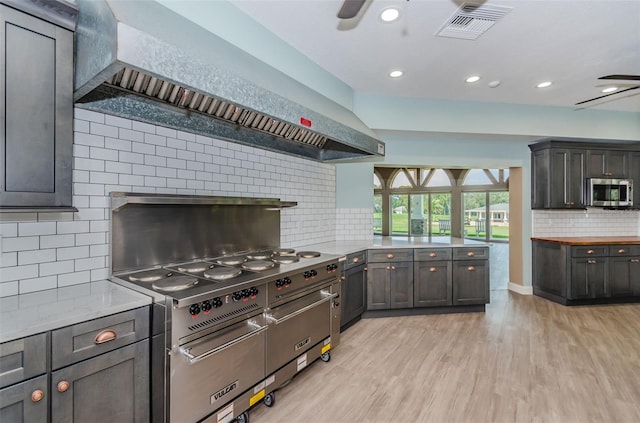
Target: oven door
296	326
209	372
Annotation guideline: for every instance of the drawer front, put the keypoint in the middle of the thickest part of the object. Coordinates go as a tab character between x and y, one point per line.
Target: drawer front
84	340
431	254
624	250
590	251
471	253
389	255
355	259
23	359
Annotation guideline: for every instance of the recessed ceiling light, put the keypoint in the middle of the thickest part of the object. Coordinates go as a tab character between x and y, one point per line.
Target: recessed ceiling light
389	14
473	78
396	73
544	84
609	89
494	84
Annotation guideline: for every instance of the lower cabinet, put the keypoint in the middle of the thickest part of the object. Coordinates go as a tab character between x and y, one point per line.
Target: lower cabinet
579	274
91	371
354	291
389	279
432	284
113	387
470	282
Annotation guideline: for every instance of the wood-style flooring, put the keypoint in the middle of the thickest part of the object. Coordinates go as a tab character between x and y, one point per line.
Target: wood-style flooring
525	360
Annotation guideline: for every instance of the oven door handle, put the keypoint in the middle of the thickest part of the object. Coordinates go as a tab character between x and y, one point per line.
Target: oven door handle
326	297
195	358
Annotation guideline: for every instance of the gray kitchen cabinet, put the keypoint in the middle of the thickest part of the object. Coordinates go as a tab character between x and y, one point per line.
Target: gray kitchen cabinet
470	275
354	288
586	274
91	371
23	380
607	164
634	175
624	271
36	88
432	278
389	279
25	402
112	387
558	178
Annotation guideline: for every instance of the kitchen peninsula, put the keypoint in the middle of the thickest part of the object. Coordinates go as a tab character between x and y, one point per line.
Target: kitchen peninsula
587	270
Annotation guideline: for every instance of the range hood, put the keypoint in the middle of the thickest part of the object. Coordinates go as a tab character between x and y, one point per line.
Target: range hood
138	59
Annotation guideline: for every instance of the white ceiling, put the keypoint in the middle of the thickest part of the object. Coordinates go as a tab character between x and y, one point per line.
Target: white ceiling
571	43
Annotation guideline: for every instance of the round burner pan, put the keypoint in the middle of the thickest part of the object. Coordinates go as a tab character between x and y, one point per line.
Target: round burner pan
257	265
175	283
308	254
222	273
150	275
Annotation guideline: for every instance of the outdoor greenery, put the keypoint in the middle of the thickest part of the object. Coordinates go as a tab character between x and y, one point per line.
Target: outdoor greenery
400	225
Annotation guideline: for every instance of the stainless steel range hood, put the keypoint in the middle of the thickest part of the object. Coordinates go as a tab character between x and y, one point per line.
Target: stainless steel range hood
140	60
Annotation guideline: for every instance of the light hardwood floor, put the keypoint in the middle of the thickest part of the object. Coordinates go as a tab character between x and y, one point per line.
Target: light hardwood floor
525	360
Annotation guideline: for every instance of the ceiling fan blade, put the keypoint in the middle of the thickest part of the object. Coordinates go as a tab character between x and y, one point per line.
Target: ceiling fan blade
350	8
622	77
607	95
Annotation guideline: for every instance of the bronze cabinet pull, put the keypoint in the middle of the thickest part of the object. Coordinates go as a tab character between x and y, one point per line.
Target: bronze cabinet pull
433	269
63	386
37	395
105	336
590	251
393	268
471	254
433	254
592	261
388	267
621	251
634	260
471	268
390	255
356	259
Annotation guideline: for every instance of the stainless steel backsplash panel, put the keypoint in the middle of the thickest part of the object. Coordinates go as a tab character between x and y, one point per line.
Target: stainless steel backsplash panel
147	235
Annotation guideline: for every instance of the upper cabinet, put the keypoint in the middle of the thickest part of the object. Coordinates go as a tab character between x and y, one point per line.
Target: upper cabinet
559	170
36	88
608	164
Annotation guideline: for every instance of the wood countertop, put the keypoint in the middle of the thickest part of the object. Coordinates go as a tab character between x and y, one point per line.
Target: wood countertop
592	240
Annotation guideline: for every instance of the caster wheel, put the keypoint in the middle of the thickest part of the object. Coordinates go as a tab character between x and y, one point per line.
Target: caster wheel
269	399
326	356
243	418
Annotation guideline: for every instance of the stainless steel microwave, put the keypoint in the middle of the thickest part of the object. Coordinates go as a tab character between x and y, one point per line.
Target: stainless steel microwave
609	192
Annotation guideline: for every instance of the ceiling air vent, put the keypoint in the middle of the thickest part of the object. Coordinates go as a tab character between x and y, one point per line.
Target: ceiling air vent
472	20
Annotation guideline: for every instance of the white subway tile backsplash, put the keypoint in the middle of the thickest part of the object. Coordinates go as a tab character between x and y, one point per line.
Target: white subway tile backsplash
116	154
590	222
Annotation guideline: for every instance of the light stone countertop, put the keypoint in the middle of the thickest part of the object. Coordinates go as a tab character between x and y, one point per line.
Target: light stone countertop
379	242
36	312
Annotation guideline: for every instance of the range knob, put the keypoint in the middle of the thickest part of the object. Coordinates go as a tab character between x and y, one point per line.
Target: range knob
279	283
206	306
332	267
307	275
287	281
253	291
246	293
314	273
194	310
237	296
217	302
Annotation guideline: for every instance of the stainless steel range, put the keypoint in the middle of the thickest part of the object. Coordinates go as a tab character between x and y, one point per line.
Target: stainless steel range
235	315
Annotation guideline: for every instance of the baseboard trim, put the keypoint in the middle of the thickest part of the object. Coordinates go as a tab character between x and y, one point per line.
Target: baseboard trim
520	289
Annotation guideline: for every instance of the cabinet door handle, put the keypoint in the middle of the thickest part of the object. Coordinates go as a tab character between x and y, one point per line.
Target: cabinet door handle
471	254
592	261
634	260
590	252
433	254
433	269
105	336
366	268
37	395
471	268
388	267
390	256
393	268
343	278
62	386
622	251
356	259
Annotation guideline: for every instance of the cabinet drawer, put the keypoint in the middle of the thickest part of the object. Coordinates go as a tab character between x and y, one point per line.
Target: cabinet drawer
624	250
79	342
355	259
390	255
431	254
23	359
467	253
590	251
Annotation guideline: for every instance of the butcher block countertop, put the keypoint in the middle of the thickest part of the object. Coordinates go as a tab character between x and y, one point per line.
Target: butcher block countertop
592	240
